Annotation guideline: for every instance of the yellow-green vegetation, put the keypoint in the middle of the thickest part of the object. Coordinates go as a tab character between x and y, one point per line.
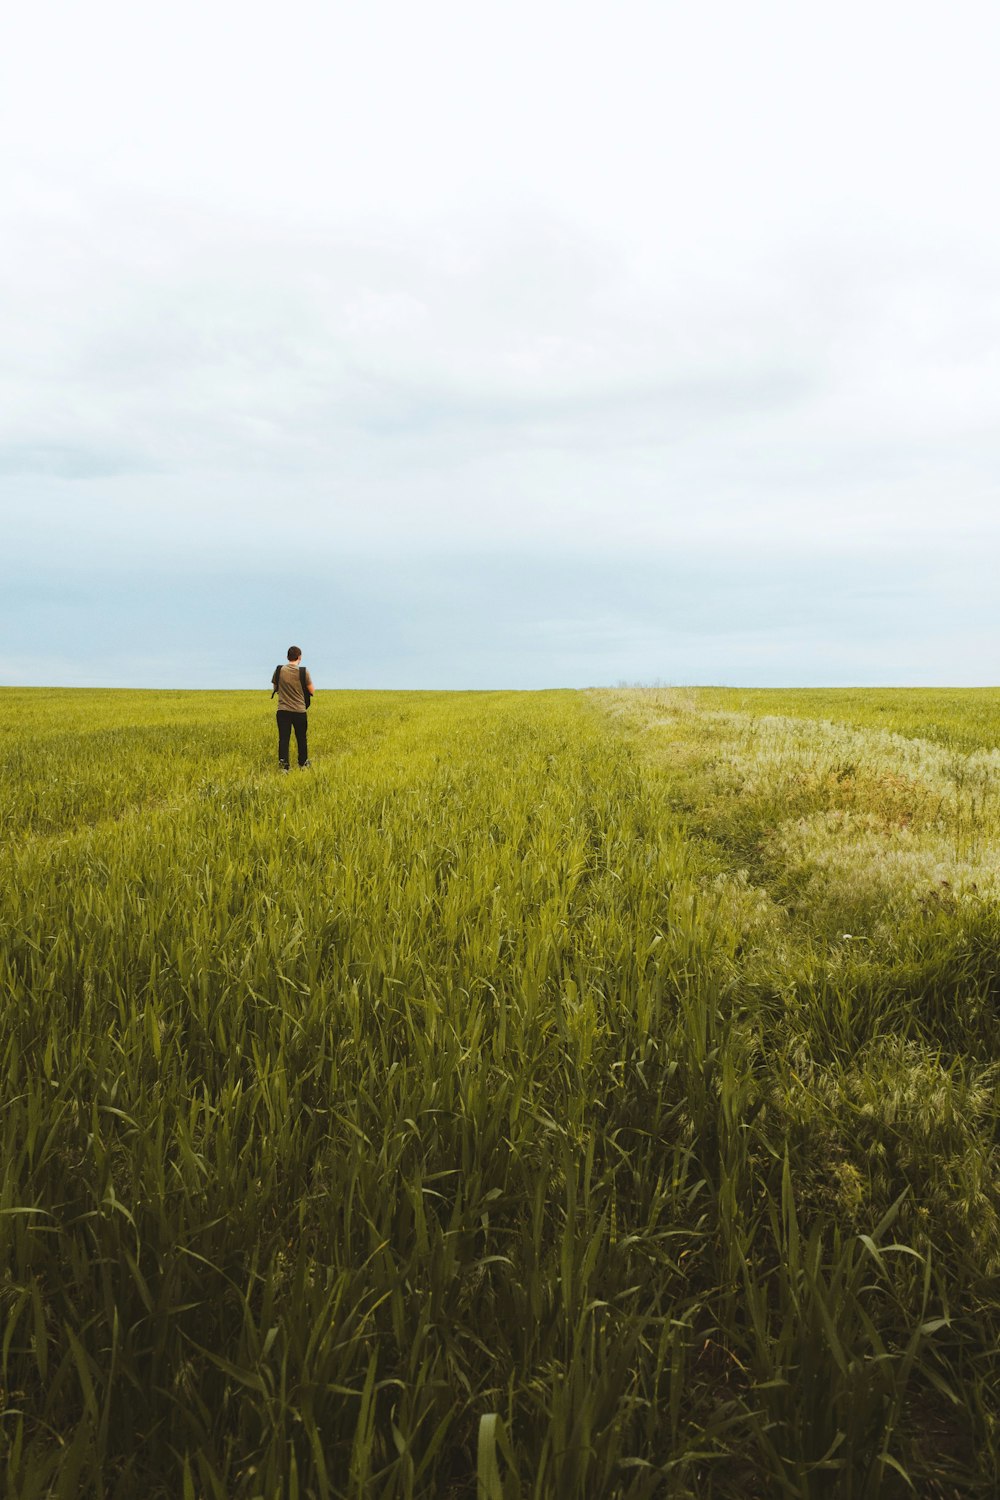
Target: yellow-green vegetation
554	1095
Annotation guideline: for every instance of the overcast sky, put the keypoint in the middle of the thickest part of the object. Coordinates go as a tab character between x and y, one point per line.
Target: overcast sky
513	345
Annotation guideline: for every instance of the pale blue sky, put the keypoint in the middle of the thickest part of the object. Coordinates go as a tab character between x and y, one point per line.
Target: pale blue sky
467	345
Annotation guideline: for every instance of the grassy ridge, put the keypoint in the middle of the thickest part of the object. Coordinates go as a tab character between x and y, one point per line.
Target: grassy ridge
963	718
499	1109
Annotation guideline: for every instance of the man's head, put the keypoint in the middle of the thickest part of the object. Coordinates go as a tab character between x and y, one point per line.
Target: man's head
294	653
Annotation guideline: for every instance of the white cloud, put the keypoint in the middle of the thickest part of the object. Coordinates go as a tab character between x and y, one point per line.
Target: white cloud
628	281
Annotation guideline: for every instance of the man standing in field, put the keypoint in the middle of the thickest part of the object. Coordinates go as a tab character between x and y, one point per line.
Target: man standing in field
294	688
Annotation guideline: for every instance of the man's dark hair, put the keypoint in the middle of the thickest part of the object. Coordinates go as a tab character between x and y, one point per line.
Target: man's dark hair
294	653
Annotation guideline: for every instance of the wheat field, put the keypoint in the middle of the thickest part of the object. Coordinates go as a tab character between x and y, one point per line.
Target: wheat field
569	1095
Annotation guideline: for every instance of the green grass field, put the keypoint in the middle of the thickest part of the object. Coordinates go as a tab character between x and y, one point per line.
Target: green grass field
548	1095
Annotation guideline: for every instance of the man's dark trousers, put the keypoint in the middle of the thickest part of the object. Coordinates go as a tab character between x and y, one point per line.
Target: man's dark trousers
287	721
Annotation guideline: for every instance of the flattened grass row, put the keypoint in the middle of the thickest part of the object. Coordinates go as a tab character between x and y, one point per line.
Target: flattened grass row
455	1121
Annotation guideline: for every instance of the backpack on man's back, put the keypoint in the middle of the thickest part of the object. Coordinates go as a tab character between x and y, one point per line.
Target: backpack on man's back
276	679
